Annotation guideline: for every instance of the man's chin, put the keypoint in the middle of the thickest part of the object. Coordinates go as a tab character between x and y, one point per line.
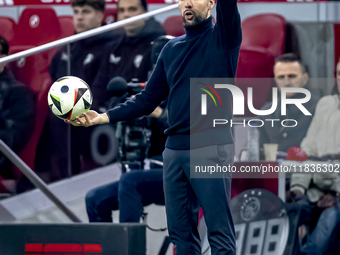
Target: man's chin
80	29
289	95
191	23
130	29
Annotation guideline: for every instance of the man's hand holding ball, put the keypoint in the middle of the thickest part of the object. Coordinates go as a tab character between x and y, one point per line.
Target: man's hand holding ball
88	119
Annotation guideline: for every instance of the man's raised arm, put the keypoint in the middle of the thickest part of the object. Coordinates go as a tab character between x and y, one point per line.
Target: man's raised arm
229	23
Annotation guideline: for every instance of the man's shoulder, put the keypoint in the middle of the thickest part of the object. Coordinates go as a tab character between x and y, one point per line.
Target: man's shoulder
176	40
267	106
17	89
275	114
62	51
155	25
171	44
327	101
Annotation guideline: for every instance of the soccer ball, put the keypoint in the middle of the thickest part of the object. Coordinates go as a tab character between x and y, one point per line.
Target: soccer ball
69	97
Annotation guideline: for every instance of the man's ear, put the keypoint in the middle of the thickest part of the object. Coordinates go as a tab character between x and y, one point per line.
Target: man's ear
212	3
100	16
305	78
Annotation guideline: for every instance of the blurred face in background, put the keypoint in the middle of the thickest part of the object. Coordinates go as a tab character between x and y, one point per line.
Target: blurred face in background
2	66
338	75
86	18
128	9
289	75
195	12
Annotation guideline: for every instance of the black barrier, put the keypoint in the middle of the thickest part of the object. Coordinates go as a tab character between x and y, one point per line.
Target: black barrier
37	181
61	239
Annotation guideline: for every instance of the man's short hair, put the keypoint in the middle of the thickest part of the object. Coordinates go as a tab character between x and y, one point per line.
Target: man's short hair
290	57
95	4
4	45
142	2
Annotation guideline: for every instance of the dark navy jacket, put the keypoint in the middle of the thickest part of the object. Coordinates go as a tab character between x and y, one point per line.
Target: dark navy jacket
206	51
287	137
130	57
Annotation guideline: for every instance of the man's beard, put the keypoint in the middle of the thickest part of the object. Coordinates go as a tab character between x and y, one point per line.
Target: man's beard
196	20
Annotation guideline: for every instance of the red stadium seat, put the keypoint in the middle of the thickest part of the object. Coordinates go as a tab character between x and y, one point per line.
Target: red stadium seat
336	45
7	27
110	15
265	30
33	72
29	152
37	26
255	70
66	25
28	69
174	26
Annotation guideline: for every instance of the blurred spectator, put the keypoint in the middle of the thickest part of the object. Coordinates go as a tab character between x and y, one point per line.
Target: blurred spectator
289	72
85	61
130	55
318	241
322	142
323	138
85	55
130	194
320	190
17	113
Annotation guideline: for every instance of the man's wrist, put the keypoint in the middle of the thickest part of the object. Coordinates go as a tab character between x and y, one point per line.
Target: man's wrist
105	118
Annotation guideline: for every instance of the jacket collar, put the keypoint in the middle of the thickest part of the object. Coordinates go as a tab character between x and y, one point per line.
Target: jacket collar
200	28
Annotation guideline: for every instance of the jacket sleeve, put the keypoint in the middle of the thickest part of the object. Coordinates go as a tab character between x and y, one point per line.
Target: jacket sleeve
145	102
309	143
300	182
228	24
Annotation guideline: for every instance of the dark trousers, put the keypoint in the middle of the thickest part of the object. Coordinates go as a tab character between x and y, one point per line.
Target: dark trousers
130	194
184	194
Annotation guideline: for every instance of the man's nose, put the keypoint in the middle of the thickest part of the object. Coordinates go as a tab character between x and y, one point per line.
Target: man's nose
79	16
188	3
126	15
286	81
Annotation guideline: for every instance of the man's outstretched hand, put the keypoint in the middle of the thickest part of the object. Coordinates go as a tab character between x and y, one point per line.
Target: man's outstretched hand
89	118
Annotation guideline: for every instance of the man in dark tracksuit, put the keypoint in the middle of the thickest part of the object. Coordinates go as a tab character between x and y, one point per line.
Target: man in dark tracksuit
85	59
206	51
130	56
